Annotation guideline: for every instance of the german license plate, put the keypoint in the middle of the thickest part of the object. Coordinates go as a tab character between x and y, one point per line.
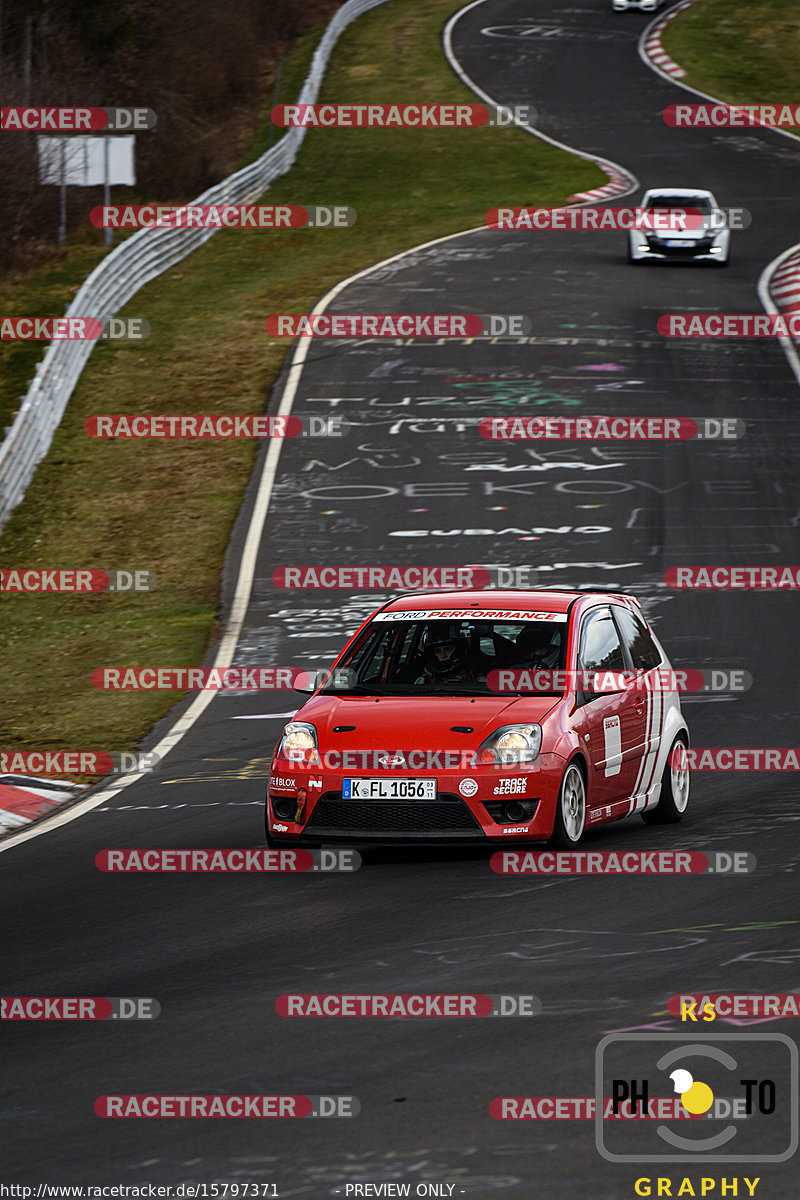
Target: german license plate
388	789
679	242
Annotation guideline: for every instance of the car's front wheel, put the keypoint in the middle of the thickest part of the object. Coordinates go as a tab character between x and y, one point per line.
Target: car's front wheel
570	809
674	798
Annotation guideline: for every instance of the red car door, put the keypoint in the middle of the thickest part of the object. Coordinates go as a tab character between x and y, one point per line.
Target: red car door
644	659
611	725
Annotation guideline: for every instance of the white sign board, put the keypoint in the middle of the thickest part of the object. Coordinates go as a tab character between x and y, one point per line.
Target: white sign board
86	161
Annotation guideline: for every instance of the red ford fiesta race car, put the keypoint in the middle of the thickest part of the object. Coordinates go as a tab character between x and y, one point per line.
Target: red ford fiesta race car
485	717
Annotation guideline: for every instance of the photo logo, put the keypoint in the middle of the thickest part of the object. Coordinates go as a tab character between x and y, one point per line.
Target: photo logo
738	1097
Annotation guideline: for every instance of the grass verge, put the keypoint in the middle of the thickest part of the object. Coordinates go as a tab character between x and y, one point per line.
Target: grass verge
170	506
740	51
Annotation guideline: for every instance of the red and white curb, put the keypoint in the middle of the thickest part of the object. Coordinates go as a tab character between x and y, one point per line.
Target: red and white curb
784	286
779	292
24	798
619	184
779	283
655	52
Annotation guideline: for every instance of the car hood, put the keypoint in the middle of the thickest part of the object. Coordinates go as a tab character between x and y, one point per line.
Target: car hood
411	722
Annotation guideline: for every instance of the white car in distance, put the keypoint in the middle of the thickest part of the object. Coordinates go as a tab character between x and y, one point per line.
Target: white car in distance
642	5
704	236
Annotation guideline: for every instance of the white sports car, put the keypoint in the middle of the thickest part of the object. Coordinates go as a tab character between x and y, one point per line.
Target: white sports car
642	5
702	236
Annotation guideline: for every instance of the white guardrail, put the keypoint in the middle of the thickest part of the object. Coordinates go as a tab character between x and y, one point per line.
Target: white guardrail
133	264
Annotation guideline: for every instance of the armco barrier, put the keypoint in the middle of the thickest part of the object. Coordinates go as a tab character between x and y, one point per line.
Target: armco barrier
134	263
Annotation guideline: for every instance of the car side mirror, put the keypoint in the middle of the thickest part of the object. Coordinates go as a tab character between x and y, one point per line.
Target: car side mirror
340	680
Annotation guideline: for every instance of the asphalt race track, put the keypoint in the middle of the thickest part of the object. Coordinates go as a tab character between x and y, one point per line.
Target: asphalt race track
413	483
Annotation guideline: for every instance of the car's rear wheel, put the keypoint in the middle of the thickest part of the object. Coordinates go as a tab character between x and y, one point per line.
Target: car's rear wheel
674	798
570	809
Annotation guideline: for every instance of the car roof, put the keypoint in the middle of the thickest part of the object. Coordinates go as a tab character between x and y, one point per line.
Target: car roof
499	600
678	191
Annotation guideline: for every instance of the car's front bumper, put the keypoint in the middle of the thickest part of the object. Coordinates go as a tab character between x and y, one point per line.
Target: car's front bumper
490	813
642	5
708	250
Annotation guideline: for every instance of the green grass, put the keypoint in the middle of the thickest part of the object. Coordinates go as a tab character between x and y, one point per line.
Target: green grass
740	51
169	506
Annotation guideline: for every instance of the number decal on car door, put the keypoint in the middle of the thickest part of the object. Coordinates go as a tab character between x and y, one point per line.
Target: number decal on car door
613	737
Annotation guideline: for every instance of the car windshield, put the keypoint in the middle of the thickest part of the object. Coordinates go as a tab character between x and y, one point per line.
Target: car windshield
702	203
410	655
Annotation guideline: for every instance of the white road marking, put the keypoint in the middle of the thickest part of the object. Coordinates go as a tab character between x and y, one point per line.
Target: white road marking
265	716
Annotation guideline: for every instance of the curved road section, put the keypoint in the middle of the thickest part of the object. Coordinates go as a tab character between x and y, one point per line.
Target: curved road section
413	483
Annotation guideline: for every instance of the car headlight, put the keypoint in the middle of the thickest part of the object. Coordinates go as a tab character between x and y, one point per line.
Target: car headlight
298	741
510	744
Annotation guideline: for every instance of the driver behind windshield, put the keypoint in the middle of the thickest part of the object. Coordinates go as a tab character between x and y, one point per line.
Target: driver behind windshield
447	659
